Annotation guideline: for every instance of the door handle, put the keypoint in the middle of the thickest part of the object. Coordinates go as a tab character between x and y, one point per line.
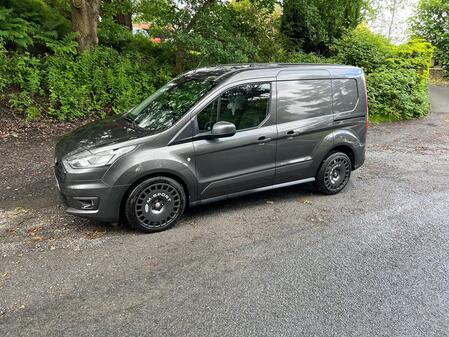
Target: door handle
291	134
262	140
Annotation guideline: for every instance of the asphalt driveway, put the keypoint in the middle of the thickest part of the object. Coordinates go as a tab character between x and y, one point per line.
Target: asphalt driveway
371	261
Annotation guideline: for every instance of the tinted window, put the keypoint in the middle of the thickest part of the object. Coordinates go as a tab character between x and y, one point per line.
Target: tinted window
246	106
167	105
346	94
303	99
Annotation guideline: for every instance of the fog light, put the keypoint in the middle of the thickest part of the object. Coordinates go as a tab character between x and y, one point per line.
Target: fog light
87	203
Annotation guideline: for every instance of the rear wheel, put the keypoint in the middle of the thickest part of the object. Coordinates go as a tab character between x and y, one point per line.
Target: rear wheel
334	173
155	204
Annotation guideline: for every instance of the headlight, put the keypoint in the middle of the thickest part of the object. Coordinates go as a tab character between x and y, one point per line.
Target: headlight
98	159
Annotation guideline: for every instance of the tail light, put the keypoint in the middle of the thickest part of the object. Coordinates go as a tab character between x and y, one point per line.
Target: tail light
366	118
366	106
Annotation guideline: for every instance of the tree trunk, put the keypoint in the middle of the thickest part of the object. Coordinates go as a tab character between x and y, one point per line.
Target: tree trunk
124	19
85	15
394	7
180	58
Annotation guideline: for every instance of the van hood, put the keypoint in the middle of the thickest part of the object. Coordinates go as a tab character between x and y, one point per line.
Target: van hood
98	134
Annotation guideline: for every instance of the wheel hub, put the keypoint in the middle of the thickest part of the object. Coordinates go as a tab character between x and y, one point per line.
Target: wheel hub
335	175
157	206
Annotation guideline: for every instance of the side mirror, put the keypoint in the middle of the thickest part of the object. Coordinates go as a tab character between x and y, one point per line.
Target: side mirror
223	129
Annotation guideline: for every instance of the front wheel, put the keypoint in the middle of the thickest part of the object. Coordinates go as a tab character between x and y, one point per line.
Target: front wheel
334	173
155	204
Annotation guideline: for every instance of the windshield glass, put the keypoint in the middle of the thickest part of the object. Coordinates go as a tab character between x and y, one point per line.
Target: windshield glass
167	105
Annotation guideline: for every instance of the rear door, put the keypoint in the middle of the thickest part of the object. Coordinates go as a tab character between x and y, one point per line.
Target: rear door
304	122
349	109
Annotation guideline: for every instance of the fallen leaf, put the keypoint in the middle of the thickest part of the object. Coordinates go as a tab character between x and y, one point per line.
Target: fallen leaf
35	229
95	234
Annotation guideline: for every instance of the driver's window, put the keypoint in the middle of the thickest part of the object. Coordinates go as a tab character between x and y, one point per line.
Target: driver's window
246	106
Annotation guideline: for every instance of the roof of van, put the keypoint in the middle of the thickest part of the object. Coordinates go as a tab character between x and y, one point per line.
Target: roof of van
225	71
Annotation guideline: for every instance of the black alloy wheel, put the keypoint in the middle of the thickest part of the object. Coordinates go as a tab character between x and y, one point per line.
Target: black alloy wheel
334	173
155	204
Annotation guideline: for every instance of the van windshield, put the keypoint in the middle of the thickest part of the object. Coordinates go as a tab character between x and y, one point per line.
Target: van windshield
168	104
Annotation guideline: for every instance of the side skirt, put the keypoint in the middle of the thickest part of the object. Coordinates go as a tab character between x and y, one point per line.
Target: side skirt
255	190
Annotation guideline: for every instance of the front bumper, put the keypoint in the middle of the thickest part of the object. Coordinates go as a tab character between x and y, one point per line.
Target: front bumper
93	199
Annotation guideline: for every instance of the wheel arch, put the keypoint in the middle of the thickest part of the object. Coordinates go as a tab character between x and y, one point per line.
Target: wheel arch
346	149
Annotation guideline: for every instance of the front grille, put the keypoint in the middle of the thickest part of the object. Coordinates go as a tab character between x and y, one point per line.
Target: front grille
59	171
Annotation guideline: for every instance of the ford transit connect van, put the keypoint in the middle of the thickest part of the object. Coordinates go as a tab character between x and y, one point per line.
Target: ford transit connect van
216	133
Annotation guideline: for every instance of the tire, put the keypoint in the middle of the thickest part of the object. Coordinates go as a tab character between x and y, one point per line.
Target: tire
334	173
156	204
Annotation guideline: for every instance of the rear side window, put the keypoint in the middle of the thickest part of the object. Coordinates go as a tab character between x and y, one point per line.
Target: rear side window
346	94
303	99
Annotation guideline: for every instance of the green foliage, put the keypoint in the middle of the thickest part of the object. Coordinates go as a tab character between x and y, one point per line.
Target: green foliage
111	34
257	24
99	82
14	30
313	25
301	57
432	23
363	48
210	31
41	73
415	55
396	75
395	94
24	102
34	26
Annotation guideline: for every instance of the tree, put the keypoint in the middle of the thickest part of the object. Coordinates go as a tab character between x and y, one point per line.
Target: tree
432	23
313	25
211	31
178	19
85	14
120	10
258	23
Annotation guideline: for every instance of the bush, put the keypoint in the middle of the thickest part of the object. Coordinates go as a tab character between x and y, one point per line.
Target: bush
363	48
32	25
101	82
395	94
396	75
300	57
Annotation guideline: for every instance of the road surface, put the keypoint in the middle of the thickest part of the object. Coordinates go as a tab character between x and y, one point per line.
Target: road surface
371	261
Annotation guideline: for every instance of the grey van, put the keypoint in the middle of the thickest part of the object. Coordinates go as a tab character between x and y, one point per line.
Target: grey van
215	133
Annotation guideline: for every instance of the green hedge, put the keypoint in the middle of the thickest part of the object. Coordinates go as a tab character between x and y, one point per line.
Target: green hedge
396	75
102	81
106	81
